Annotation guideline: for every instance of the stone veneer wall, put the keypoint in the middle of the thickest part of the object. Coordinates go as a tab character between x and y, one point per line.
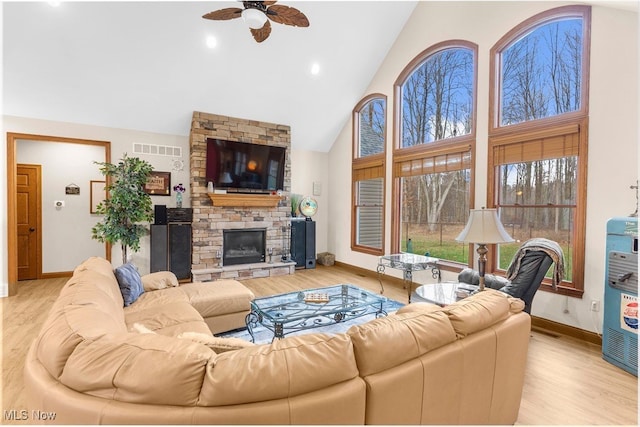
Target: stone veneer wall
209	221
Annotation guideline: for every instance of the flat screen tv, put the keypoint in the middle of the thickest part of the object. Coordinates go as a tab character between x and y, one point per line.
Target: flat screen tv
245	167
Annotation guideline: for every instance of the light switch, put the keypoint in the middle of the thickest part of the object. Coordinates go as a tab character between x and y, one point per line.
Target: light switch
317	188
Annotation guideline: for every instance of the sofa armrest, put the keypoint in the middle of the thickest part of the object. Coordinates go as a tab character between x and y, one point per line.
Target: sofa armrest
159	280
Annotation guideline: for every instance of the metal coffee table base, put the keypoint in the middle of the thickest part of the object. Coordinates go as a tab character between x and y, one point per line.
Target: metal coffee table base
288	313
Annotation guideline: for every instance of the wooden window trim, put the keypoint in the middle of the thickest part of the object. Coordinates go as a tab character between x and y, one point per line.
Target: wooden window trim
368	167
563	124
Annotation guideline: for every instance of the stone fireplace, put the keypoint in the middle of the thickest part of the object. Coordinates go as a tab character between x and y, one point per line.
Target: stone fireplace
237	212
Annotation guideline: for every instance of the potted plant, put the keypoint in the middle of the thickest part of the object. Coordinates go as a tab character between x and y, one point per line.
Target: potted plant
295	204
126	206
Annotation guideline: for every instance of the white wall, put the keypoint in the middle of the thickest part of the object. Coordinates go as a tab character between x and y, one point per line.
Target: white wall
307	168
613	135
65	230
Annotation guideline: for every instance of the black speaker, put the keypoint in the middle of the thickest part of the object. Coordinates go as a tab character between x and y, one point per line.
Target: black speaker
180	250
298	243
310	244
159	248
180	215
160	214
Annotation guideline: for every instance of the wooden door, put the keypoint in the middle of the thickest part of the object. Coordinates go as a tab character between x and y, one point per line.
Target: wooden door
28	219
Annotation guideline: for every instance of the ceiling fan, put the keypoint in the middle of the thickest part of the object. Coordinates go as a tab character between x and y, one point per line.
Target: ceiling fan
255	14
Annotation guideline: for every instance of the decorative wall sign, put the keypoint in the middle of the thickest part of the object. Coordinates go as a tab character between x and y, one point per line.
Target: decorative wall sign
97	194
158	184
72	189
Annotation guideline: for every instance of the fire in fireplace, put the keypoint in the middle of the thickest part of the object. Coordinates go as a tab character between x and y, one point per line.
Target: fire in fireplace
244	246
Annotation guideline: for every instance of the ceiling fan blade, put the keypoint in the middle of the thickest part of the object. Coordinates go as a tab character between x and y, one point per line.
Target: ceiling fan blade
261	34
287	15
224	14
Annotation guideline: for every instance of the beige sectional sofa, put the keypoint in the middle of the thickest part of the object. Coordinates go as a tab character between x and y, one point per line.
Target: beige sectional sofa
462	364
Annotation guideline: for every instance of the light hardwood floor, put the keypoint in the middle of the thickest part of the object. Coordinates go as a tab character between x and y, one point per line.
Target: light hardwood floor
567	382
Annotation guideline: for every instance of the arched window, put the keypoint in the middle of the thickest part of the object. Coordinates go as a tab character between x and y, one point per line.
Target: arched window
433	161
538	135
368	174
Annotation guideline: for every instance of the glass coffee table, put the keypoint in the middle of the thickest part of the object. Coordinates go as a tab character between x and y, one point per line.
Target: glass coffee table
312	308
408	263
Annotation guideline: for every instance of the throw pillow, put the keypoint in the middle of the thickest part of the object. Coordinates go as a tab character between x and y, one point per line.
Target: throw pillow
219	345
129	282
159	280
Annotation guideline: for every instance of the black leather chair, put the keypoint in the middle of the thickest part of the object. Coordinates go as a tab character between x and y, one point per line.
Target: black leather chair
534	265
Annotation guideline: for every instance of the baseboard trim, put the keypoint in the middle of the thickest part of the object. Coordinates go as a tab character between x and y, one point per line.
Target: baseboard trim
369	273
536	322
570	331
56	275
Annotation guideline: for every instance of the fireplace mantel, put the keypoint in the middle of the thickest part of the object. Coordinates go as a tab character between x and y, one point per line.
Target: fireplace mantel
242	200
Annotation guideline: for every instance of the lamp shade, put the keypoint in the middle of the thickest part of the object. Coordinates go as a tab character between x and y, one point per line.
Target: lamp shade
254	18
484	227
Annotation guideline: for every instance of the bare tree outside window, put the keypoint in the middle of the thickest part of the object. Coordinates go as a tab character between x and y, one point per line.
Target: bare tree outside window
542	73
437	99
372	128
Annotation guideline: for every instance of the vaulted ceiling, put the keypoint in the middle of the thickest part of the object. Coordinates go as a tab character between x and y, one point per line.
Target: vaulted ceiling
147	66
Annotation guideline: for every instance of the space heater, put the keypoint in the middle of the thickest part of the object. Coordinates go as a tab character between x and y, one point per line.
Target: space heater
620	328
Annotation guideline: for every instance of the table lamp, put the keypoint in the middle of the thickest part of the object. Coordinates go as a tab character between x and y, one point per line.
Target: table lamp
483	228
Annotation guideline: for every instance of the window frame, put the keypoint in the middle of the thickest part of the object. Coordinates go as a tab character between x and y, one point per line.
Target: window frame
453	145
562	125
373	165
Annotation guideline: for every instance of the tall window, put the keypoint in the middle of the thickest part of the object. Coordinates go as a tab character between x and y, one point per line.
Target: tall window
433	160
538	135
368	175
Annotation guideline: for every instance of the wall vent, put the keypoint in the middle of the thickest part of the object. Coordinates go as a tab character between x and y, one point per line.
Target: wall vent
157	150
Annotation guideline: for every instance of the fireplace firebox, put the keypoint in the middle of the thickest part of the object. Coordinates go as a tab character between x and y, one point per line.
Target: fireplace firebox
244	246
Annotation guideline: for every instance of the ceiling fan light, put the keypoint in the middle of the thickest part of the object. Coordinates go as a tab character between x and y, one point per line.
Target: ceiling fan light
254	18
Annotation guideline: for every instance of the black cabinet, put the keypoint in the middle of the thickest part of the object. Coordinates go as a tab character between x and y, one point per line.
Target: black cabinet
303	243
171	245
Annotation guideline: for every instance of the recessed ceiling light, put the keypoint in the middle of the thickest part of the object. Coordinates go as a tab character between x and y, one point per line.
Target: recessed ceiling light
315	68
54	3
211	42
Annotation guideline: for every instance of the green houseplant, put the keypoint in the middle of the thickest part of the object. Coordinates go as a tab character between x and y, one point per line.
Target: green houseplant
295	204
126	206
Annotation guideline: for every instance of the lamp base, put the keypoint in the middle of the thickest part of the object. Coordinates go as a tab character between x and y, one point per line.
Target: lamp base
482	261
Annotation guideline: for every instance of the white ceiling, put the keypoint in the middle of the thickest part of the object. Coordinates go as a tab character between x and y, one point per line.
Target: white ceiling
146	65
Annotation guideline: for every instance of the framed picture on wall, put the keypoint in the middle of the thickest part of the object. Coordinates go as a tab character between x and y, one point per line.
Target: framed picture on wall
97	194
158	184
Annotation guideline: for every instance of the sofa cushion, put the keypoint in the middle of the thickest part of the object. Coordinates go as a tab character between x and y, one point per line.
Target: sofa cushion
390	341
138	368
218	297
106	283
288	367
129	282
159	280
79	313
171	318
157	299
479	311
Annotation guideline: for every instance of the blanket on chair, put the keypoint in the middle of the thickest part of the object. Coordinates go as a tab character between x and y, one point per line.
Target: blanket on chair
547	246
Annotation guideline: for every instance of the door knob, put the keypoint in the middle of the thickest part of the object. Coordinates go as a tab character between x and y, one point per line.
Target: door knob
31	230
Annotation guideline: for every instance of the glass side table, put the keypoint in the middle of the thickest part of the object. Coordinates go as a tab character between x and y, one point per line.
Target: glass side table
444	293
408	263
